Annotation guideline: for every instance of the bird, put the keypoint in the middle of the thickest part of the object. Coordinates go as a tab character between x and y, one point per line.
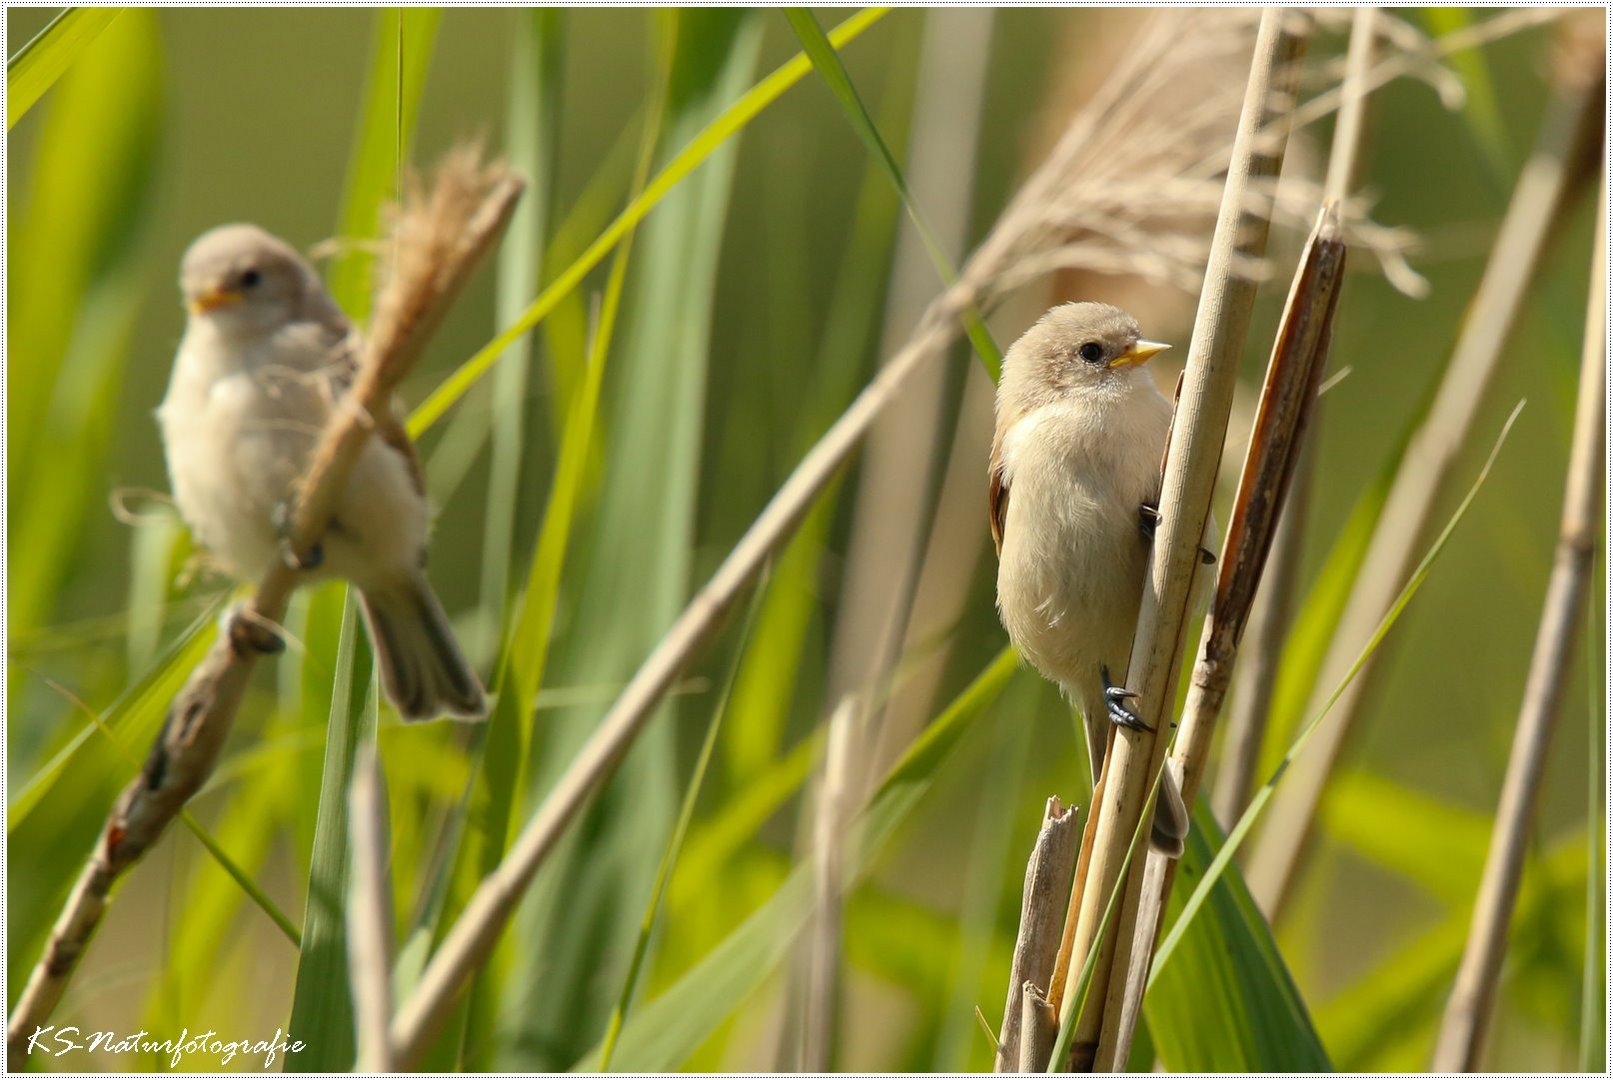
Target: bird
1074	483
265	356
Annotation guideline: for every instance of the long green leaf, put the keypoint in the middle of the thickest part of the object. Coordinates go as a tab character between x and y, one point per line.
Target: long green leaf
827	62
1227	1003
694	153
663	1033
404	40
321	1004
38	64
1258	803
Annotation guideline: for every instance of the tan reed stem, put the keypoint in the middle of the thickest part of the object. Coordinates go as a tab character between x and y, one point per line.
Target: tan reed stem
1466	1025
369	914
1135	757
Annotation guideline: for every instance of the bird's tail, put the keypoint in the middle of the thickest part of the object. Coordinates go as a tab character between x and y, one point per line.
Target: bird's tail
422	670
1168	835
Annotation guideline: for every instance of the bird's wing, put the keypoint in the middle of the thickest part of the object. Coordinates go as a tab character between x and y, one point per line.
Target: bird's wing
997	495
345	354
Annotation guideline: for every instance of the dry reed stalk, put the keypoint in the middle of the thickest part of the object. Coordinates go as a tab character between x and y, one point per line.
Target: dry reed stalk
1537	202
1037	225
369	914
1287	402
1135	757
438	236
1464	1030
1041	919
839	792
896	497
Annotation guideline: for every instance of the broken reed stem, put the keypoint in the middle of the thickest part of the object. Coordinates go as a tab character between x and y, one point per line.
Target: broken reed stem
369	914
1466	1024
1287	402
200	717
1135	757
1041	919
1537	202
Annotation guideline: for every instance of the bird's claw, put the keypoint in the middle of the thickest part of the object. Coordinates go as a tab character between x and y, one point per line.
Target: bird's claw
309	560
1116	697
248	635
1148	524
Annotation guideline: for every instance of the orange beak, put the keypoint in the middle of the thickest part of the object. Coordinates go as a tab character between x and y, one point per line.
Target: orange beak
213	299
1139	353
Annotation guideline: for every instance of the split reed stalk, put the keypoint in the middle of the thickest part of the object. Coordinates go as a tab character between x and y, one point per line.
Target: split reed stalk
1041	918
1537	202
439	238
1466	1023
1135	757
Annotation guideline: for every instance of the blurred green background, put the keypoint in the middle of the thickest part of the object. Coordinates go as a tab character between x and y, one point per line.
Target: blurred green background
754	306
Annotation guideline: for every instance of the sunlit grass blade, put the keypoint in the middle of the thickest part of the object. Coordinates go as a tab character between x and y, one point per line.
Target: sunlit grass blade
674	847
321	1004
404	40
1257	804
69	320
1255	1019
827	62
701	146
663	1033
38	64
1593	984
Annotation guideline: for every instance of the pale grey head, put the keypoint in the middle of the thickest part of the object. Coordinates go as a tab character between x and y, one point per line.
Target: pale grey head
1075	348
246	282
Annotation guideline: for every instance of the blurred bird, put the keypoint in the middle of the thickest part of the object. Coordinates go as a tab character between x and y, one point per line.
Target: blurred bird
1075	480
266	354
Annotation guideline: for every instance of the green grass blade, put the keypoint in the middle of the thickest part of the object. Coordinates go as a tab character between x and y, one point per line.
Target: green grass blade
1254	1020
666	1031
1258	803
38	64
404	40
700	147
70	319
1593	984
321	1004
827	62
669	859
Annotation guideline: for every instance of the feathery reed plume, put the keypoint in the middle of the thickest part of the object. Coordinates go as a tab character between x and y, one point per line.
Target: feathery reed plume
1041	918
1466	1024
202	713
1542	193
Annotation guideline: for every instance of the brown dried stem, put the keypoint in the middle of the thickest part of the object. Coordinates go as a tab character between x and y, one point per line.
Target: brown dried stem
1135	757
1537	202
1041	919
1467	1015
439	239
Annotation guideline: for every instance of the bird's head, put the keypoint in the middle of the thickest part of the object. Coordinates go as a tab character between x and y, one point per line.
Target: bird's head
244	281
1078	348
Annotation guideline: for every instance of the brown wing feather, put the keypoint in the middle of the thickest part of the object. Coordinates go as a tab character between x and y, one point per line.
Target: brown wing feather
997	503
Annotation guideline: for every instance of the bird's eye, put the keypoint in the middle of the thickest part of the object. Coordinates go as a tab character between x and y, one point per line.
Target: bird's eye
1092	352
250	278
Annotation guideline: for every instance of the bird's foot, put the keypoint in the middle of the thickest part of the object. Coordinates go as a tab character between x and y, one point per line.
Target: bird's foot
1148	524
1115	697
250	634
309	560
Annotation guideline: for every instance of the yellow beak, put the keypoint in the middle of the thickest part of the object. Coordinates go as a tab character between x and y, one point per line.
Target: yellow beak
213	299
1139	353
